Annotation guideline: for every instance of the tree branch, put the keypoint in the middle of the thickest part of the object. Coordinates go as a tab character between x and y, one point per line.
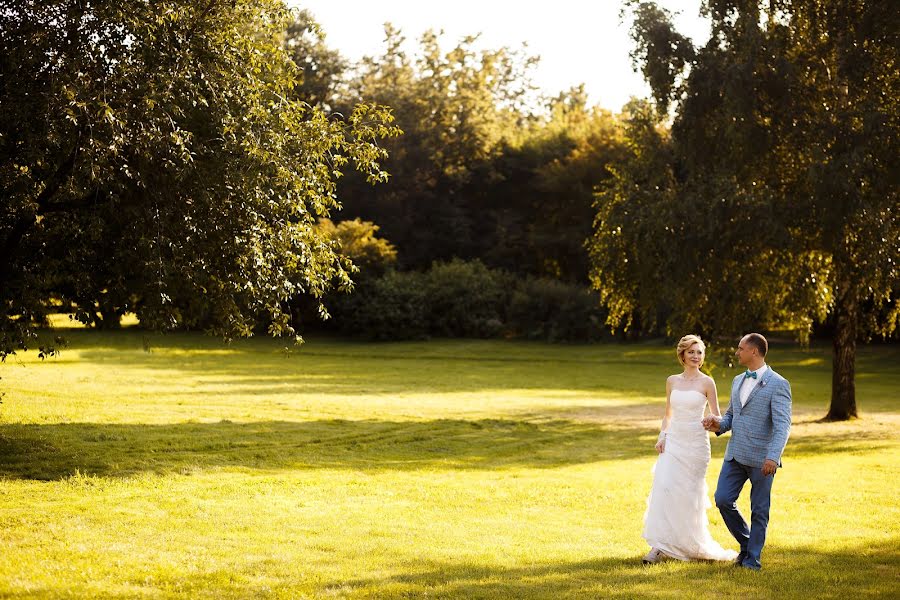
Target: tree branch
56	181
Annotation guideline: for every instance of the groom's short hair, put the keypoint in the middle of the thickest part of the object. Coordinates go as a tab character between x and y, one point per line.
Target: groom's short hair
759	342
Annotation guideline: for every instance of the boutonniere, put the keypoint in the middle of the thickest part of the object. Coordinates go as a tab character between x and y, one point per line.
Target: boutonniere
762	384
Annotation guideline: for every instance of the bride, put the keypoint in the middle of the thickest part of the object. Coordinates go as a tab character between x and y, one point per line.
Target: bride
675	524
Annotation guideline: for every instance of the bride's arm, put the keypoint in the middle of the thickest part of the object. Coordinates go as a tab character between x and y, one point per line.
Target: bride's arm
712	398
661	440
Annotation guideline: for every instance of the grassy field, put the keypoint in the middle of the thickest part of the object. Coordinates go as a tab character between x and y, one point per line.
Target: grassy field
176	466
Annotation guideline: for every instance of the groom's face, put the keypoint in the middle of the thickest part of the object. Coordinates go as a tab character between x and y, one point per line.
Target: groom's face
744	352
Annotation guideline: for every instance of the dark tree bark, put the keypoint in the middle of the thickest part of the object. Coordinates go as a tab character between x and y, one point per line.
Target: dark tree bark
20	228
843	368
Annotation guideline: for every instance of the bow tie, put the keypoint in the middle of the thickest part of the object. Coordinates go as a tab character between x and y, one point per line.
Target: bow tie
750	374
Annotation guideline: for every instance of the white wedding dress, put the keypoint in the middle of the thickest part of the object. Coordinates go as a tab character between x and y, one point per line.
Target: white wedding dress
676	521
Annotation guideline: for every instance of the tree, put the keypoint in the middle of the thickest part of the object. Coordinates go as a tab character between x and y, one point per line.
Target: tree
152	159
357	241
538	208
485	169
455	107
321	68
774	201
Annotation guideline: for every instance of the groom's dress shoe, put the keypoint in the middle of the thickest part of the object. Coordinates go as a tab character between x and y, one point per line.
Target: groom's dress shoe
739	562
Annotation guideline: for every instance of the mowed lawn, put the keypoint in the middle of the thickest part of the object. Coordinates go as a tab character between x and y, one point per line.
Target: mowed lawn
137	465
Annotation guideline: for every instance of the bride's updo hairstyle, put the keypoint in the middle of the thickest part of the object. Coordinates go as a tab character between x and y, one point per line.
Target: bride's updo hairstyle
685	343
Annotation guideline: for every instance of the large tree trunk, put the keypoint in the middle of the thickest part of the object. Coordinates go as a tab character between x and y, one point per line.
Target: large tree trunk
25	221
843	368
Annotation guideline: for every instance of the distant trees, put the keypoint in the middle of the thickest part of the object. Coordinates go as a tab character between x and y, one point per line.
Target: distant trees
774	199
153	158
320	68
455	107
486	167
537	212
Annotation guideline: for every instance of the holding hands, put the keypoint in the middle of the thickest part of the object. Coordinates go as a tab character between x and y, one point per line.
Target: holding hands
711	423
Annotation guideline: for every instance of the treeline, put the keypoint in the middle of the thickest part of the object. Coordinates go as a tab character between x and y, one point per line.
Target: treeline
486	168
487	171
179	160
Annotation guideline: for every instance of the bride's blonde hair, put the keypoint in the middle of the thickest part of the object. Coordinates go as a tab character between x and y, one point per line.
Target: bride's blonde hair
685	343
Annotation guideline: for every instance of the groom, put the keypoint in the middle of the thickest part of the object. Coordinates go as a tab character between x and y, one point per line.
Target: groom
759	417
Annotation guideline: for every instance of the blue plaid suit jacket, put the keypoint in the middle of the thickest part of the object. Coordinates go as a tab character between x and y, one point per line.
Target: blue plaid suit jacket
759	429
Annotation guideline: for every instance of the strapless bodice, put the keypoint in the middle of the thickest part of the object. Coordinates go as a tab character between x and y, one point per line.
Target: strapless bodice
687	405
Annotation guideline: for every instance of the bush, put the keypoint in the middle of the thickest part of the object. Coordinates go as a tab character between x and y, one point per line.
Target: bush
390	307
550	310
466	299
357	242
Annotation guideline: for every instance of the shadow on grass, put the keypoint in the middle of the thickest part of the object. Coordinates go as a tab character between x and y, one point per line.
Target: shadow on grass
864	572
857	571
55	451
802	571
814	438
868	571
333	366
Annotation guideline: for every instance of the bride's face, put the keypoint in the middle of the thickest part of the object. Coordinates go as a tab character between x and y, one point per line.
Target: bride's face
693	356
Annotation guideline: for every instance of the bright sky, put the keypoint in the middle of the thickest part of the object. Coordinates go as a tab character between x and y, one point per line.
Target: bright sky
579	41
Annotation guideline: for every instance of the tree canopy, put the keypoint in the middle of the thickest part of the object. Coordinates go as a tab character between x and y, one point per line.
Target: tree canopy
154	158
487	168
773	201
455	107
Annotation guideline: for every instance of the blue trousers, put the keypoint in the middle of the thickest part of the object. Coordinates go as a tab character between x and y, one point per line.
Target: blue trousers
732	478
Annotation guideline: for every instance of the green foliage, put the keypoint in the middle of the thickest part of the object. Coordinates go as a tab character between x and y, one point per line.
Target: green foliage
547	309
391	307
466	299
661	268
356	240
166	135
453	299
660	51
455	106
630	259
537	213
784	149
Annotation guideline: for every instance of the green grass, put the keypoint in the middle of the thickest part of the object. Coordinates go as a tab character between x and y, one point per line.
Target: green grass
442	469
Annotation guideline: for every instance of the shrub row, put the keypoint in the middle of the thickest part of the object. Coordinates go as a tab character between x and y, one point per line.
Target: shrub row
467	299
